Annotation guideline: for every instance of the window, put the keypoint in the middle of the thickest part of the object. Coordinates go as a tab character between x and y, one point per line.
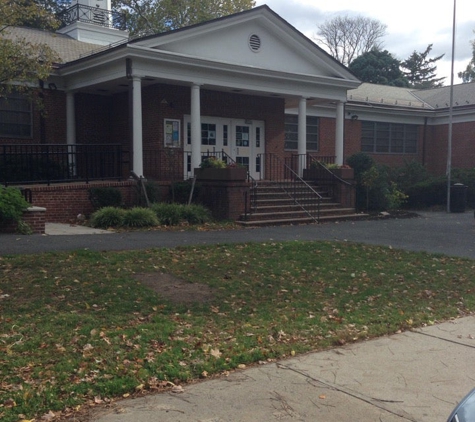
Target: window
390	138
15	117
225	135
208	134
292	132
242	136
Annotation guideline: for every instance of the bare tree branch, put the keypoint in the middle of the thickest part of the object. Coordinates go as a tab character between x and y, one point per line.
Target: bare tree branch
349	37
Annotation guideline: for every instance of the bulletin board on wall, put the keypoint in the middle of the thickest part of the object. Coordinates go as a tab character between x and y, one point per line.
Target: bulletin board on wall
172	133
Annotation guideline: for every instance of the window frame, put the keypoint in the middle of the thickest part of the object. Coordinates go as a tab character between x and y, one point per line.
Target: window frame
389	138
6	110
291	133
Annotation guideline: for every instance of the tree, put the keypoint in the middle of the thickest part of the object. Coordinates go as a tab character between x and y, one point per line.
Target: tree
421	70
23	63
379	67
154	16
468	75
349	37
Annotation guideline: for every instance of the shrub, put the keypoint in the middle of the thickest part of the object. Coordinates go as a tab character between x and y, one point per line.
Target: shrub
427	193
153	193
168	214
360	162
105	197
12	204
408	175
196	214
173	214
107	217
180	191
213	162
140	217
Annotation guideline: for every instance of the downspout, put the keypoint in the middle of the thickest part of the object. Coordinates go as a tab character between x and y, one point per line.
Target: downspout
424	140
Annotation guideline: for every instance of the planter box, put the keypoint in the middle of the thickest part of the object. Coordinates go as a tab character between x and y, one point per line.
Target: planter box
321	174
315	174
345	174
227	174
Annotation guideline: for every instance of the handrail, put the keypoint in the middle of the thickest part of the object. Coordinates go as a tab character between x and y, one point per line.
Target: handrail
273	170
333	176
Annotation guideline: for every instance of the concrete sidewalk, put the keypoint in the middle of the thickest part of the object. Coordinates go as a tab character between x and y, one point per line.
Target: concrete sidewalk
413	376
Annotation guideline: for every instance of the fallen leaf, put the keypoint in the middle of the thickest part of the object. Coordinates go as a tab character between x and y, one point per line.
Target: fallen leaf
216	353
178	389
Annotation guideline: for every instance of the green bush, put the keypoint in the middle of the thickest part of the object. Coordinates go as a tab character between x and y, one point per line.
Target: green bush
196	214
105	197
139	217
408	175
213	162
107	217
168	214
360	162
12	204
153	193
174	214
428	193
180	191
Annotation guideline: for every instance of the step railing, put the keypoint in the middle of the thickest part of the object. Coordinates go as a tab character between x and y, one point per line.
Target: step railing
302	194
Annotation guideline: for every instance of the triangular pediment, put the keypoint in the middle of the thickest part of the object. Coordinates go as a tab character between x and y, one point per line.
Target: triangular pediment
257	39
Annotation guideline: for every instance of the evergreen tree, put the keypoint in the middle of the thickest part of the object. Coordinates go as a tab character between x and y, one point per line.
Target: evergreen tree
379	67
420	70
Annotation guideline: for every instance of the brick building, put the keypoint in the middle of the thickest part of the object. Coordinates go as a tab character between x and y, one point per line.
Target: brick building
245	86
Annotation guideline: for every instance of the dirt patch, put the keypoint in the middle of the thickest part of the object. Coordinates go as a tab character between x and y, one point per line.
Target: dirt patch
175	289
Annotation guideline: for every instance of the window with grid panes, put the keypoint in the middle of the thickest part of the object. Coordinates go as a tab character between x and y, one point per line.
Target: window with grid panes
15	117
292	132
388	138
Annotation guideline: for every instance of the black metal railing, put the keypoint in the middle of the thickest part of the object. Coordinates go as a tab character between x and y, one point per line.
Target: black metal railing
94	15
53	163
328	179
303	195
297	162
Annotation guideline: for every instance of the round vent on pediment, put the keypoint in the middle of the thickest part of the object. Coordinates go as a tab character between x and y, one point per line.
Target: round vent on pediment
254	43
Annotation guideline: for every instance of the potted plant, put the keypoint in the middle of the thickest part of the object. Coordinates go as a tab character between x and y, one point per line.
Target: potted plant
213	168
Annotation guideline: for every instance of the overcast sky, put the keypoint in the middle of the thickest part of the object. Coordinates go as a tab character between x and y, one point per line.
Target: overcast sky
411	24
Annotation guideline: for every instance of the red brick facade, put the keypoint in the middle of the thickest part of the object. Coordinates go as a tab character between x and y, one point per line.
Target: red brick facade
64	202
106	119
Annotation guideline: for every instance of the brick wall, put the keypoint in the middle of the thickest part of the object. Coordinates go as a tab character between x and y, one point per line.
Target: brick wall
463	147
33	216
225	199
64	202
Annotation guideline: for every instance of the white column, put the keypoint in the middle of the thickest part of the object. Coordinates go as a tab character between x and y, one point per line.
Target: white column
71	131
302	135
339	133
137	162
195	127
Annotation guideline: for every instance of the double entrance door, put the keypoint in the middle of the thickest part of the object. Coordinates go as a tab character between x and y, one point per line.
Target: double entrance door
242	140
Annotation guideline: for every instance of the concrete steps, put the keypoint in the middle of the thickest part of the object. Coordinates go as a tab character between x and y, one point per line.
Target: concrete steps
282	203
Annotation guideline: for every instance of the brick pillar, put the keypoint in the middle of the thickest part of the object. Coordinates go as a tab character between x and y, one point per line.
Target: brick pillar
225	199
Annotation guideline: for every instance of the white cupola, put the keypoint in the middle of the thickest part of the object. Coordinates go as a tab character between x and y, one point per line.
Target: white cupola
94	22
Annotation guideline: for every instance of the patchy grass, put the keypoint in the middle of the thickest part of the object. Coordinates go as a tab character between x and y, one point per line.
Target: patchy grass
82	327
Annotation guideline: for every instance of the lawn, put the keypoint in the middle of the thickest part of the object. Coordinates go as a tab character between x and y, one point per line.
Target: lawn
88	327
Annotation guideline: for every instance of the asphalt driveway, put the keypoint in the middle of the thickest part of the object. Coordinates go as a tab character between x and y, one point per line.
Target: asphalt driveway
436	232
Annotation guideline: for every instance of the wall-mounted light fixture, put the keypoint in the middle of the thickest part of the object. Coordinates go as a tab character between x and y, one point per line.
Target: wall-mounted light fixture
52	86
354	117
